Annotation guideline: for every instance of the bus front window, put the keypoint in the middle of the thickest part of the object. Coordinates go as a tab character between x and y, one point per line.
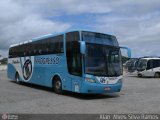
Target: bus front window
103	60
142	63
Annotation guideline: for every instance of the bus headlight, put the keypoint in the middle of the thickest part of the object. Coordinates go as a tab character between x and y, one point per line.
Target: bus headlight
90	80
120	80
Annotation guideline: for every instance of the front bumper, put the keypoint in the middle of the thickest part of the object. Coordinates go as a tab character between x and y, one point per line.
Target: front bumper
94	88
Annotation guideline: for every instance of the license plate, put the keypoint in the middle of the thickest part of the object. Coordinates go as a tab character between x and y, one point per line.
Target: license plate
107	88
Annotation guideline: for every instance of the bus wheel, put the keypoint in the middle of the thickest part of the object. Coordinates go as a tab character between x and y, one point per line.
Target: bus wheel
17	78
157	75
57	86
139	75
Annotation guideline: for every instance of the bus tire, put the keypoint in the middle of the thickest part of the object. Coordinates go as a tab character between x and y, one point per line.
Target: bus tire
17	78
157	75
139	75
57	85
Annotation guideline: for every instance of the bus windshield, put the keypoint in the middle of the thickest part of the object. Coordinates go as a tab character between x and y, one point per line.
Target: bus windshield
142	63
103	60
99	38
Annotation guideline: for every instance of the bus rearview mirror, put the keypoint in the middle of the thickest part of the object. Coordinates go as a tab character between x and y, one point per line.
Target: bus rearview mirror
83	47
128	51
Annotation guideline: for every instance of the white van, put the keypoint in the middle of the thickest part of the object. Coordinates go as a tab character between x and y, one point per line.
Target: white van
148	67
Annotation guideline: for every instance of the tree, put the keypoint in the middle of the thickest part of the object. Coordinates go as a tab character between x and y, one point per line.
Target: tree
3	61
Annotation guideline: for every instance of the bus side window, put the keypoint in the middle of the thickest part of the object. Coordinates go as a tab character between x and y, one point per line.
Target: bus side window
10	53
156	63
149	65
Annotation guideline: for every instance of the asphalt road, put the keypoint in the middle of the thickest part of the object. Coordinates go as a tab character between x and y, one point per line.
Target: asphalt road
139	95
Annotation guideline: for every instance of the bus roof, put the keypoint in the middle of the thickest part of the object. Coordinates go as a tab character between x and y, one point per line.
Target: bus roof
151	58
54	34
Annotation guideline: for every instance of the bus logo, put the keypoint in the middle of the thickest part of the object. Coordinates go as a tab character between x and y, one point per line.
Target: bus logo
102	80
27	69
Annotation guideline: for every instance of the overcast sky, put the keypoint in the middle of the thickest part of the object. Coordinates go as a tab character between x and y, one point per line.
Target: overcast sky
135	23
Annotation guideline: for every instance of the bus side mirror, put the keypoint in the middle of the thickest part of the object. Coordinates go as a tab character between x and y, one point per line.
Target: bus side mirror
83	47
128	51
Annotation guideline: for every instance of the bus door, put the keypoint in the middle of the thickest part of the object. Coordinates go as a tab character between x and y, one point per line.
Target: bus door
74	60
75	72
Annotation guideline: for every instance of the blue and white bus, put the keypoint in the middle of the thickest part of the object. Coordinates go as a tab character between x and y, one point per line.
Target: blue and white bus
77	61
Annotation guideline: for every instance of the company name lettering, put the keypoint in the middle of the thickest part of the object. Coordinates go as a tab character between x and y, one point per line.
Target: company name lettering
54	60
